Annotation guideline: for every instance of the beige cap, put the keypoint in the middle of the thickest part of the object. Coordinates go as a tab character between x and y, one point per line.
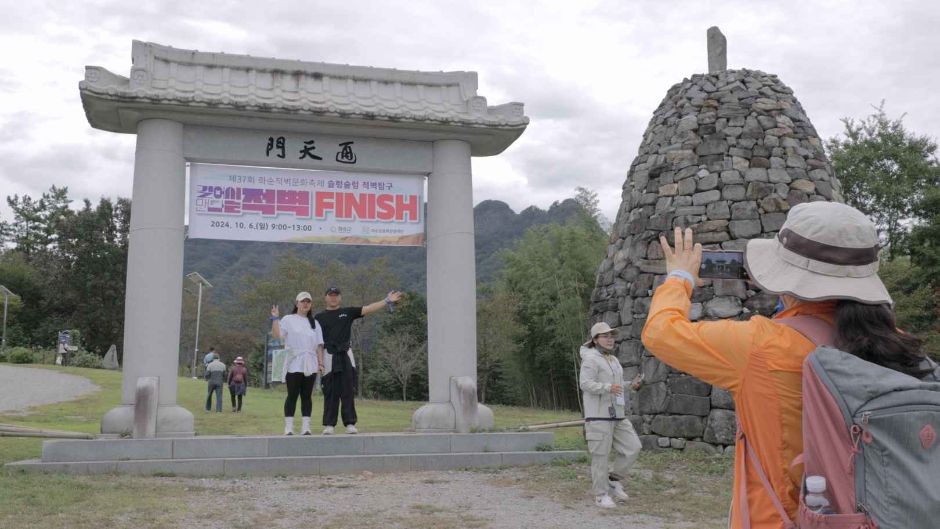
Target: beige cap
302	296
600	327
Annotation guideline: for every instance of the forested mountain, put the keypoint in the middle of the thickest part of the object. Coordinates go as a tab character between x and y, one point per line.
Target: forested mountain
497	226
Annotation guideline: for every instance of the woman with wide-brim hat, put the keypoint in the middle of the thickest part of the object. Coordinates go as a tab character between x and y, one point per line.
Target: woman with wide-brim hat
823	263
606	426
238	383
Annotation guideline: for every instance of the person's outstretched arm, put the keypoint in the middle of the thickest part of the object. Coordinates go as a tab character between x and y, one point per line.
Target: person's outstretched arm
394	296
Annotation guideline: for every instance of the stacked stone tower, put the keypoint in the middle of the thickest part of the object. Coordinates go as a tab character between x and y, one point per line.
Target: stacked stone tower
728	154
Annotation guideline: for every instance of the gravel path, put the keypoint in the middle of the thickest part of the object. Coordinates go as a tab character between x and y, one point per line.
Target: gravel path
413	500
23	387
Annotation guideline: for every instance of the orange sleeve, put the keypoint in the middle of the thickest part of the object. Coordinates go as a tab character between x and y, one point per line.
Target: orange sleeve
714	351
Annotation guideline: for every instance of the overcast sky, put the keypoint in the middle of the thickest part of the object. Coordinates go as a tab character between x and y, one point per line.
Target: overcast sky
590	73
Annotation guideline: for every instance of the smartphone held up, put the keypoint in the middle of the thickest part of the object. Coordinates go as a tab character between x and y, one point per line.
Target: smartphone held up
722	265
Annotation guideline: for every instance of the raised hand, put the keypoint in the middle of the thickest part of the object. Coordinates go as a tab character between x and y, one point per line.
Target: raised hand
686	256
275	312
394	296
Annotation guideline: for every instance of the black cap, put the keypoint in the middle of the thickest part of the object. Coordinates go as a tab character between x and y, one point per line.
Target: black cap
332	290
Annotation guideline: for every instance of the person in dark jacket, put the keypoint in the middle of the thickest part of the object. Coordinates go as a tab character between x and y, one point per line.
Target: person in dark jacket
238	383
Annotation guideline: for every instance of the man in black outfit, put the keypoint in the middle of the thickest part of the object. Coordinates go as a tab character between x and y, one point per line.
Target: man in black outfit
339	383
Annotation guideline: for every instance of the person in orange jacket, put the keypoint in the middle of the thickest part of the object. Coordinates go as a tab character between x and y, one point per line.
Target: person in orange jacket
824	264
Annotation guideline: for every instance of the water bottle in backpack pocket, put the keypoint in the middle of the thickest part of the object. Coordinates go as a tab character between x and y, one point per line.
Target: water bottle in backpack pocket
871	431
814	495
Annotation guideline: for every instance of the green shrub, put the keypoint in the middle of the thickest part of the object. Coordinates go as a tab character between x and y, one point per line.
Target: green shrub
85	359
20	355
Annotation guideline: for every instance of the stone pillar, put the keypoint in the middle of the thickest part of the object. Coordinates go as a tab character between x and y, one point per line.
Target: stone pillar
154	279
717	50
451	286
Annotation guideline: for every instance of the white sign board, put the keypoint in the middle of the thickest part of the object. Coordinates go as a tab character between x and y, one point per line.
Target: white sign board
278	357
245	203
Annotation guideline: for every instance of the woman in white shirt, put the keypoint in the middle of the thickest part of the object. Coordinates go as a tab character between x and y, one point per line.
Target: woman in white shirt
304	340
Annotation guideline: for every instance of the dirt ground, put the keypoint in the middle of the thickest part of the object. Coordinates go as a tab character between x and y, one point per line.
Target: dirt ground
499	499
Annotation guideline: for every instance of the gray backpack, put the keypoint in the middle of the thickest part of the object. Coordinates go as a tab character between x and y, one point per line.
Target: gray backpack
872	432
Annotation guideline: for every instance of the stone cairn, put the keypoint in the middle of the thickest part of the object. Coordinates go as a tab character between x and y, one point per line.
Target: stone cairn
728	154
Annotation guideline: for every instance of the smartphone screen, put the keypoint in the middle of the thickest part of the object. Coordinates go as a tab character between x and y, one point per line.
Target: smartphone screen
722	265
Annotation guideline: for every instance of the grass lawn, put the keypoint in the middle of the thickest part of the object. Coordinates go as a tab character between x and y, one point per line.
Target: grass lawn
671	485
262	413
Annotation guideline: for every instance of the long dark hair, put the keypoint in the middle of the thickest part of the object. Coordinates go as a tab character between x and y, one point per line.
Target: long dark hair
870	333
313	322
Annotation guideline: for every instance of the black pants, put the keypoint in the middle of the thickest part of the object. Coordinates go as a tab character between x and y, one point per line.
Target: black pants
238	397
339	387
299	385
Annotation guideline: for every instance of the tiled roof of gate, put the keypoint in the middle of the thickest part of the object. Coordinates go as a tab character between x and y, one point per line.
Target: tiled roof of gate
163	75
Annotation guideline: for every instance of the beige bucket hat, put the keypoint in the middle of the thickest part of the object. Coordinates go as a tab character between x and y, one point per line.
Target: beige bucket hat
599	328
824	250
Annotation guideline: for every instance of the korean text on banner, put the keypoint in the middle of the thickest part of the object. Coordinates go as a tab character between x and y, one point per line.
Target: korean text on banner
285	205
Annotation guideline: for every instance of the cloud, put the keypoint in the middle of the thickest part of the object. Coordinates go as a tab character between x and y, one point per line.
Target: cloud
590	73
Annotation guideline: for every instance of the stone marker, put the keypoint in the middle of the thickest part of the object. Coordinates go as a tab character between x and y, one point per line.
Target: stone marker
145	407
463	394
110	360
717	50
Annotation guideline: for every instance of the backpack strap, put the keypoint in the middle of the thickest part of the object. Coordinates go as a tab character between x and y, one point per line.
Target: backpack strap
749	454
820	332
816	330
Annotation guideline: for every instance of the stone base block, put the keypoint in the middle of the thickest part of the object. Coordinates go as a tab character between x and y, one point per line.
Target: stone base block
440	417
297	455
172	421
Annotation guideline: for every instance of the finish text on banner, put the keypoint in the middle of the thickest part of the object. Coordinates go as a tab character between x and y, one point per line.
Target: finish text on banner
244	203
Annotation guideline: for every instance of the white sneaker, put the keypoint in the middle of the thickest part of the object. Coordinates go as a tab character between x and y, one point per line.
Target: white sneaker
351	429
604	502
616	490
328	430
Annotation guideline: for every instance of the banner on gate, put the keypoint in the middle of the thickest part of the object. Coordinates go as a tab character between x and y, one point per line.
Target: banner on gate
244	203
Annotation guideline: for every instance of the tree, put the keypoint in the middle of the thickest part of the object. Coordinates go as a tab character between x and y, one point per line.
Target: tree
25	310
91	257
587	199
916	303
34	221
69	266
498	335
885	171
401	354
551	273
925	239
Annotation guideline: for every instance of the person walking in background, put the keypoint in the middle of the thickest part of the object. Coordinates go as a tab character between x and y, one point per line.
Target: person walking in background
339	383
304	341
215	377
238	383
606	426
824	264
210	356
